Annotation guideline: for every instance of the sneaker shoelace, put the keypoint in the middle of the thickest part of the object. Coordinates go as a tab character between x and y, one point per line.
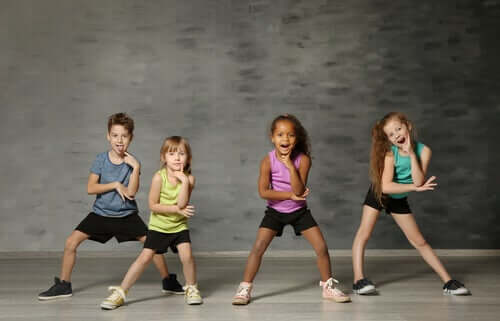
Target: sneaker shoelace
243	291
330	287
192	292
115	296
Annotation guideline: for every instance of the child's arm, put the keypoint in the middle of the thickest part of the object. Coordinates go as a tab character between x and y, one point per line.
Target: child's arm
390	187
154	199
419	168
186	187
133	183
264	183
93	186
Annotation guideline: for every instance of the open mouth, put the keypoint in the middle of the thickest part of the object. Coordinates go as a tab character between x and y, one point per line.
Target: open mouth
401	140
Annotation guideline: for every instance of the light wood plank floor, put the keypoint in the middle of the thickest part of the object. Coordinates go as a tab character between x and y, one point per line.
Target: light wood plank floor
285	289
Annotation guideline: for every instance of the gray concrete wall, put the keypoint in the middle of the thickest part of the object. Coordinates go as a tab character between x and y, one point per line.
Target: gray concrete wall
217	72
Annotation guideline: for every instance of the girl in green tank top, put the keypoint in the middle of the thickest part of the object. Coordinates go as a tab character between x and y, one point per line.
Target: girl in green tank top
398	165
170	209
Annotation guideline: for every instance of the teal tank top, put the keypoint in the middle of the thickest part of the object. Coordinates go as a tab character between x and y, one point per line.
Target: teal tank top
402	168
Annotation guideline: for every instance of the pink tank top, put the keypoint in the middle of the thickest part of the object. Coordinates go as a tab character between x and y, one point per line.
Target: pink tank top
280	181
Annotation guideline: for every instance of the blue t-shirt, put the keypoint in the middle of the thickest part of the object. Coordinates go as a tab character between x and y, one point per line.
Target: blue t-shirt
402	168
110	204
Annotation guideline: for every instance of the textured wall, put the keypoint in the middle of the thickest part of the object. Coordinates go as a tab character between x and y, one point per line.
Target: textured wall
217	72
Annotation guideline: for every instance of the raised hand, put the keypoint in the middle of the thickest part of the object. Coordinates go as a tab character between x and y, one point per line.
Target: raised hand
180	175
122	191
130	160
428	185
407	145
285	159
187	211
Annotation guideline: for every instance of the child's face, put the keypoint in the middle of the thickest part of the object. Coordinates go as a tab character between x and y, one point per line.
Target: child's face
119	138
176	160
397	132
283	137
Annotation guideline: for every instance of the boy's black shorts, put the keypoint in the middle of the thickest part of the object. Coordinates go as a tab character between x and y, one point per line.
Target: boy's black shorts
160	242
101	228
391	205
300	219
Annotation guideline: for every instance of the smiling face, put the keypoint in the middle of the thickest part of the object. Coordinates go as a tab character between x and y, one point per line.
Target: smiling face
284	137
119	139
397	132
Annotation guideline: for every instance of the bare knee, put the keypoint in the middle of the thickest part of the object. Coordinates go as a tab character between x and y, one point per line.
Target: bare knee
71	244
259	248
418	243
322	251
187	259
145	257
363	235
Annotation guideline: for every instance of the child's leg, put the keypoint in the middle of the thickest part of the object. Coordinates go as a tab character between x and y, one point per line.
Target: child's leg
159	261
315	238
368	220
137	268
408	225
264	238
188	264
69	256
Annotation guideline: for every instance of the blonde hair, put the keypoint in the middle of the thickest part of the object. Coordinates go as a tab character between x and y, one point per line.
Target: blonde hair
381	146
171	144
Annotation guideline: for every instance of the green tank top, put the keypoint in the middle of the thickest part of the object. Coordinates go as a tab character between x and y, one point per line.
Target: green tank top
402	168
169	222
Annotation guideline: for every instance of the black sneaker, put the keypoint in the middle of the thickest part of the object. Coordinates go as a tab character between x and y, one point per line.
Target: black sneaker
364	286
171	285
60	289
454	287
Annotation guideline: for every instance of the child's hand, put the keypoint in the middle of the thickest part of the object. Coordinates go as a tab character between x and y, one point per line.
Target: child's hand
180	175
285	159
301	197
428	185
130	160
407	145
187	211
122	190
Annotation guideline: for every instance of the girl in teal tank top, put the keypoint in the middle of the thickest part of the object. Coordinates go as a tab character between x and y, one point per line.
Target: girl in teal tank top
398	165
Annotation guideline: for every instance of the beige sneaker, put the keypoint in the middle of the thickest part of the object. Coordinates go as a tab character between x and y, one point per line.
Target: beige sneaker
115	299
330	292
242	296
193	295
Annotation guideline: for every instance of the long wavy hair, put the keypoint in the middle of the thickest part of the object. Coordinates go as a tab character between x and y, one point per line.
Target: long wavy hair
303	144
381	146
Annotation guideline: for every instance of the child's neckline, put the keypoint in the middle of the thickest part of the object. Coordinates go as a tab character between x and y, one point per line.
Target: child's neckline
109	159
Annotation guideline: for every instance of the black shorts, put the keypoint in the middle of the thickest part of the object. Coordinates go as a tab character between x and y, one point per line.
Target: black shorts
391	205
160	242
301	220
101	228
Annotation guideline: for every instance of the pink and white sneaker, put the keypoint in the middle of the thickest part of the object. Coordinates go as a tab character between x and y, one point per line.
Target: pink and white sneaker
330	292
242	296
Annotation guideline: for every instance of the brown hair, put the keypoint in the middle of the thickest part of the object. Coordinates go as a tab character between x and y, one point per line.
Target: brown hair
121	119
171	144
303	143
381	146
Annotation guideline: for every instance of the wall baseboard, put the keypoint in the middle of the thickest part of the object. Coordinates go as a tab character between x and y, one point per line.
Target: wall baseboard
241	254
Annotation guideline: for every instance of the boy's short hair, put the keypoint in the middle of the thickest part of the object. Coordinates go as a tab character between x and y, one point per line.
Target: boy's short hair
121	119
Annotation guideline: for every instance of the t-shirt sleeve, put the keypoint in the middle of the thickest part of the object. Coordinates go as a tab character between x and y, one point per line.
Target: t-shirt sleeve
96	167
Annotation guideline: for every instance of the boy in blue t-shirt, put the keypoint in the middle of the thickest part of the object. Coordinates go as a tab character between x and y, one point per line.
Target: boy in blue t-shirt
114	179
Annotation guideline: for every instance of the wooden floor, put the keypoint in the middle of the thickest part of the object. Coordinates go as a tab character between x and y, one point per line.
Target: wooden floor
285	289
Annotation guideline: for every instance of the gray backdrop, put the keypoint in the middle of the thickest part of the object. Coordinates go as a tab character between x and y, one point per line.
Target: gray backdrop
217	72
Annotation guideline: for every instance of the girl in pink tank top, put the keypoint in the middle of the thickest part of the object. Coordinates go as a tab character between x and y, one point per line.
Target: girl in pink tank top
282	182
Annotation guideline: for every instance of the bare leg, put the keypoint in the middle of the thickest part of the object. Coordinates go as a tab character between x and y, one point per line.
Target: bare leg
188	264
137	268
159	261
69	256
315	238
409	226
368	220
264	238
